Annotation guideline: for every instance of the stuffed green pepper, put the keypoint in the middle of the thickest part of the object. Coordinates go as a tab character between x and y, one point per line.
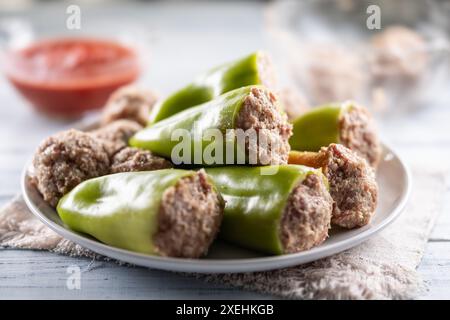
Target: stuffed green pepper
352	182
286	212
255	68
243	126
169	212
347	124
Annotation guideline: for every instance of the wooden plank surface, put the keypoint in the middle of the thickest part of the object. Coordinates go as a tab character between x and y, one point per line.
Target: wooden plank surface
423	140
43	275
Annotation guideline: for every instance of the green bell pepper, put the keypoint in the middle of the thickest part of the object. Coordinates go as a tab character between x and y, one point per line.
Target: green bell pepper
254	203
221	113
346	123
243	72
120	209
317	128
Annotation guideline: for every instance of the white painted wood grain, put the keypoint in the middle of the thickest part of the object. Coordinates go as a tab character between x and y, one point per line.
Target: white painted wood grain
435	270
44	275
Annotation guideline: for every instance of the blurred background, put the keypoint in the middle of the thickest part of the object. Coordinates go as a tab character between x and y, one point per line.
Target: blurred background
392	56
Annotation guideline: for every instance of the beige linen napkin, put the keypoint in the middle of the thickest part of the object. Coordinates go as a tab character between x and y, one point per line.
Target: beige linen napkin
383	267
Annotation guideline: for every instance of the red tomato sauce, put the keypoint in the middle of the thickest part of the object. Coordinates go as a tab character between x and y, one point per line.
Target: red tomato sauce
67	77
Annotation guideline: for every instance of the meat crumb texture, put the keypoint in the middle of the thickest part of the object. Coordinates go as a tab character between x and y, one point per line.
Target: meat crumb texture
358	133
398	54
133	159
266	71
307	215
64	160
294	102
130	103
329	73
261	112
189	218
115	135
352	186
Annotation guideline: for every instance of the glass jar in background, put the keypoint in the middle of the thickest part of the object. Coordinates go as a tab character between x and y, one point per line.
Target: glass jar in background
327	50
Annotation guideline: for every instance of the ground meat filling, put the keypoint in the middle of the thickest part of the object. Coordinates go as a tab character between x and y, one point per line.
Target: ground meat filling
64	160
294	103
133	159
189	218
391	55
266	71
115	135
352	186
260	112
129	103
306	218
358	133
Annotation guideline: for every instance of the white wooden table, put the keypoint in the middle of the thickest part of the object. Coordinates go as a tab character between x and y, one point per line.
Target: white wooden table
180	47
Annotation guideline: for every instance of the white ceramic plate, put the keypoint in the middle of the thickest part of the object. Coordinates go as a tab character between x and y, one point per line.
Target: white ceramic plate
394	187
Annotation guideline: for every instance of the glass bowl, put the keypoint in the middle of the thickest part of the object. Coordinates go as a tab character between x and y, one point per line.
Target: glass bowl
330	50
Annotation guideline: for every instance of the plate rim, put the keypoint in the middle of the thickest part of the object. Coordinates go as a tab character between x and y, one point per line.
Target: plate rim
223	265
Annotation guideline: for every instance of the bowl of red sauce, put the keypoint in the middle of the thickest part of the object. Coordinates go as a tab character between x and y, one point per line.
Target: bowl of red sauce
66	77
